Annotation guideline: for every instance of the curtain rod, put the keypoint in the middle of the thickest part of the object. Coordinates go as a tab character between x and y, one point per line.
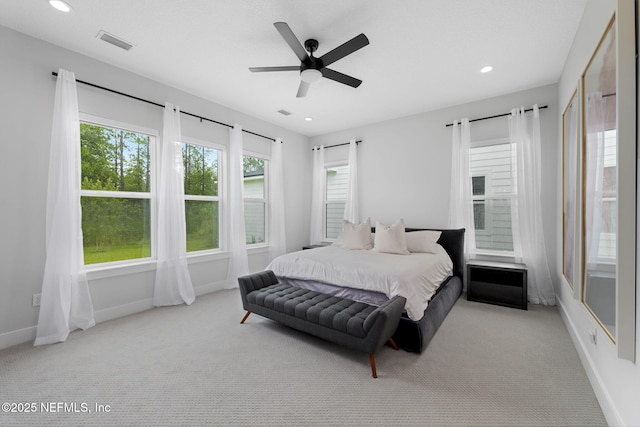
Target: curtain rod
53	73
358	141
499	115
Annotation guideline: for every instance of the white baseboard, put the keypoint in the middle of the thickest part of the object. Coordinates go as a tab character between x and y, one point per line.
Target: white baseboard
209	287
127	309
602	394
21	336
147	304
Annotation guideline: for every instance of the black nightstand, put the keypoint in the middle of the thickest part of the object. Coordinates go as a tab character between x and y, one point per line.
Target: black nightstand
498	283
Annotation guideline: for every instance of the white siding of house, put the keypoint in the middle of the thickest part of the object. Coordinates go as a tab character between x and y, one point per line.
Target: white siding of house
336	196
254	212
607	244
494	163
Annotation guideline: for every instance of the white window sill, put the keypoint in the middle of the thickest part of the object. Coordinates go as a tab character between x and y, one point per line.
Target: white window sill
102	271
206	256
492	256
257	249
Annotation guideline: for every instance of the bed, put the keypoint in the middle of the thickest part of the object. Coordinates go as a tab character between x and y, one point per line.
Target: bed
418	325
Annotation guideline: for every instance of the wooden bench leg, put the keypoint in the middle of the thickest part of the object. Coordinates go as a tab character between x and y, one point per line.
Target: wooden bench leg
372	360
393	344
245	317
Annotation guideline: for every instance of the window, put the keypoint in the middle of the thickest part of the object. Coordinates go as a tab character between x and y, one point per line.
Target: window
478	189
336	189
254	199
607	240
116	193
493	194
202	202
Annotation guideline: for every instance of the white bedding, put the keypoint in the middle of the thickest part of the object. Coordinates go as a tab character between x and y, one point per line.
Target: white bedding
415	276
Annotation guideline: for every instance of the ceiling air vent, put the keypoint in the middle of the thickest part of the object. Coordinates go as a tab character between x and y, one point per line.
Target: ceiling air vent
111	39
284	112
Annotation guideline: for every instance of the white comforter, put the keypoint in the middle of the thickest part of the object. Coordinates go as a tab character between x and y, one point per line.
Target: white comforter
415	277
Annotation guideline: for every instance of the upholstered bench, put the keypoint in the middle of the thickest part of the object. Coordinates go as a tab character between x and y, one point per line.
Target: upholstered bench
342	321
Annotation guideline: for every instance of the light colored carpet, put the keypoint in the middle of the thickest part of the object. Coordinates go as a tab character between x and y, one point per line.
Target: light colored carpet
197	365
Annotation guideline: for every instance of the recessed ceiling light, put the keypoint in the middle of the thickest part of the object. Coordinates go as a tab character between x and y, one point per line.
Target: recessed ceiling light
486	69
60	5
308	118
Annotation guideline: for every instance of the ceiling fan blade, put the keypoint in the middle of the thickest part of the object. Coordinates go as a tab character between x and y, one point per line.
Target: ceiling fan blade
291	40
358	42
284	68
340	78
302	89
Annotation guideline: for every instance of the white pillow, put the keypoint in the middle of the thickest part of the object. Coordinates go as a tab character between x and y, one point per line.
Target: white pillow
423	241
391	239
356	236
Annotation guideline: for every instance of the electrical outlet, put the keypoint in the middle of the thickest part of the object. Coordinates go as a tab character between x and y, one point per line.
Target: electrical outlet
36	300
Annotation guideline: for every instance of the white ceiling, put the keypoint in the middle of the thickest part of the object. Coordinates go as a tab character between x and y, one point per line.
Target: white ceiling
423	54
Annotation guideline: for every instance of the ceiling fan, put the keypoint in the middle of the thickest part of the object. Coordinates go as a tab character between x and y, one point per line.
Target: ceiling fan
312	68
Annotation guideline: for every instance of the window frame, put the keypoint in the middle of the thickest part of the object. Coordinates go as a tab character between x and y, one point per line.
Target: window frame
264	200
222	155
480	198
606	263
325	201
151	195
512	196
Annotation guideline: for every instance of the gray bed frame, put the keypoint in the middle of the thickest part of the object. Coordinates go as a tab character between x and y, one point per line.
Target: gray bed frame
414	336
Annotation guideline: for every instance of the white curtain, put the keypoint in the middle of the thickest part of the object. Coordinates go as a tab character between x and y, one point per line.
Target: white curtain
173	284
65	303
524	132
317	196
278	237
595	157
351	209
238	260
461	202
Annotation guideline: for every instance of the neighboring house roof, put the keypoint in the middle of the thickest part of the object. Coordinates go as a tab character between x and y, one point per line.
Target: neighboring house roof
249	174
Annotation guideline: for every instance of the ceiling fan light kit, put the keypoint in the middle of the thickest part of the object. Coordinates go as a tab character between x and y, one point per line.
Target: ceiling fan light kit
312	68
310	75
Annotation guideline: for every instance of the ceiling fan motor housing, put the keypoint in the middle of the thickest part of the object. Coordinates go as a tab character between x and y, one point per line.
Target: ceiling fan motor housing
311	67
311	62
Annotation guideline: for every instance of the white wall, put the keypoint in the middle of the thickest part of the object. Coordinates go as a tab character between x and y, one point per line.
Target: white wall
404	169
615	381
27	89
404	164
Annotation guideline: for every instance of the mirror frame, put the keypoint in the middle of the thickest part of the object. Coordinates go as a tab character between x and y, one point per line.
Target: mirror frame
571	195
626	120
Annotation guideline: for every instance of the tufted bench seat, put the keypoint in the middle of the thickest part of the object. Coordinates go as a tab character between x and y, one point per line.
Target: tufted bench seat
343	321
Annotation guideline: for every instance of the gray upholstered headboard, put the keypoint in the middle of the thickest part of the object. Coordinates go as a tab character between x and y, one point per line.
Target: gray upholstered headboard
452	240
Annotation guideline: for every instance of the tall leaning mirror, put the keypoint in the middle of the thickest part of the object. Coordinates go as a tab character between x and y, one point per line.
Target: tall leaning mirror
609	190
600	192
